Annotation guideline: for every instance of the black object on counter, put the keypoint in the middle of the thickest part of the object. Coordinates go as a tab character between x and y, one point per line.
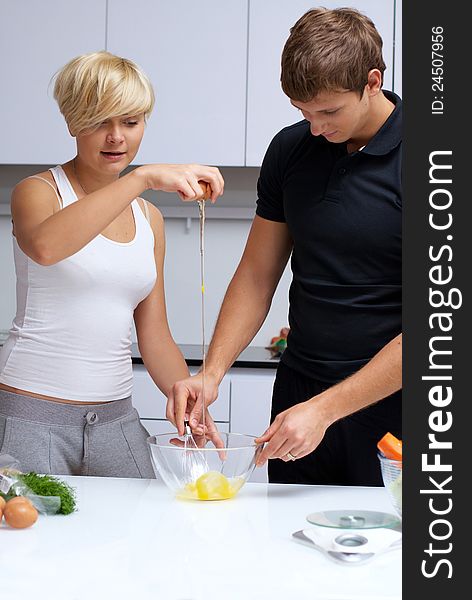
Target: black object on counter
253	357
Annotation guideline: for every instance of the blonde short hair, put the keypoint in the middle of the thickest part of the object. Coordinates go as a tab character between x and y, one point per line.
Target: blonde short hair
92	88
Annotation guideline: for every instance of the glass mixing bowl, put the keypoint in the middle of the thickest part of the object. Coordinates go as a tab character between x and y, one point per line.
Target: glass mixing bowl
392	478
206	473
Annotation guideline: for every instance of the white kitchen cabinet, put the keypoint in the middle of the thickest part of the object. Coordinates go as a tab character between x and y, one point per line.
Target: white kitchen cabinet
36	40
157	426
251	396
216	74
195	55
150	402
268	109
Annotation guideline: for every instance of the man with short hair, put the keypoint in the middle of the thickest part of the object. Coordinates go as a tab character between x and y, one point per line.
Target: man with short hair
329	195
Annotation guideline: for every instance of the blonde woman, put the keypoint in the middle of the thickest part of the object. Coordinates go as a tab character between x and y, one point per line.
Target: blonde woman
89	257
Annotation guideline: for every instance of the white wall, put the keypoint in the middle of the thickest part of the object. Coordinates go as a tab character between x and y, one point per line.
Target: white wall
224	243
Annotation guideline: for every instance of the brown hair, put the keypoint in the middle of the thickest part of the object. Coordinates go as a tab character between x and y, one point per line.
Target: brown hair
330	50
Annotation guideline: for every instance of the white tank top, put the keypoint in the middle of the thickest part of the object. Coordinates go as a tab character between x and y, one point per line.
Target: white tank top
71	337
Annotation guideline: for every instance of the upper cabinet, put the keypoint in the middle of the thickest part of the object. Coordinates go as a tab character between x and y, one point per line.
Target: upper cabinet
195	54
215	67
268	108
36	40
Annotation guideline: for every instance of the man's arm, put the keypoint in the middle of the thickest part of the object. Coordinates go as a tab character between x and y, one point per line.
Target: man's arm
244	309
300	429
249	295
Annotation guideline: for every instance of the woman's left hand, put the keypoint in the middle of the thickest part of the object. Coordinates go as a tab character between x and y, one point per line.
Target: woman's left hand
210	433
190	182
294	433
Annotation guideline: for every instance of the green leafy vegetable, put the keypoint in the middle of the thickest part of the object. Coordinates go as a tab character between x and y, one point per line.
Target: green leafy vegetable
47	485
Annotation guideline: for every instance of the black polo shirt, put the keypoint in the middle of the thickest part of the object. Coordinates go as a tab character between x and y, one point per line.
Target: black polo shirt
343	212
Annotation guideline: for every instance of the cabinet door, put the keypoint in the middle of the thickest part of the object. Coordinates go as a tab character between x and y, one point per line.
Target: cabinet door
150	402
195	55
251	395
157	426
36	40
268	108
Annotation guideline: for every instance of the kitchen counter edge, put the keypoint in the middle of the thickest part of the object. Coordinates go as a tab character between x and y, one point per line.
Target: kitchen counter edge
253	357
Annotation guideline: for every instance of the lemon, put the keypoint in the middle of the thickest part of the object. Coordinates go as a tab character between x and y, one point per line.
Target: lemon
213	486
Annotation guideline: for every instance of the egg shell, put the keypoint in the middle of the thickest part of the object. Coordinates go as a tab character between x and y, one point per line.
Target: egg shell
206	190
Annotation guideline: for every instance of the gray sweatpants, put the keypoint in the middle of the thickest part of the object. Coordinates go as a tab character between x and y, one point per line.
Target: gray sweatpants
104	440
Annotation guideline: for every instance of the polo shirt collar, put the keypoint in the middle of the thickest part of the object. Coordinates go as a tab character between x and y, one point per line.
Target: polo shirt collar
390	134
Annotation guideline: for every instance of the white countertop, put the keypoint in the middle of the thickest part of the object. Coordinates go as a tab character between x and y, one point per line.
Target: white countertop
131	539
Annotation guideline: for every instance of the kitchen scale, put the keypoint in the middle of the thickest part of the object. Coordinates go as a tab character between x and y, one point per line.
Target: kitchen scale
344	536
354	519
350	548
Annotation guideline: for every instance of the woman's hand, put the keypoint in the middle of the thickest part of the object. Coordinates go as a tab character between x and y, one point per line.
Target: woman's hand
201	439
191	182
185	401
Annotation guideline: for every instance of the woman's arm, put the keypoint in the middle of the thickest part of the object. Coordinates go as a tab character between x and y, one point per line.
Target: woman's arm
48	235
161	356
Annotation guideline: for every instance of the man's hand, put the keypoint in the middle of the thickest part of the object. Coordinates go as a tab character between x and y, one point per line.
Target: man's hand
185	401
294	433
297	431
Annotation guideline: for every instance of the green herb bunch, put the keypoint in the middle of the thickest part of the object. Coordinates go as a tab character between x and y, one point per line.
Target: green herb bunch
47	485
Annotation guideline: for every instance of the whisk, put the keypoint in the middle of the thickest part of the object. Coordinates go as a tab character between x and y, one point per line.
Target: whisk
194	463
